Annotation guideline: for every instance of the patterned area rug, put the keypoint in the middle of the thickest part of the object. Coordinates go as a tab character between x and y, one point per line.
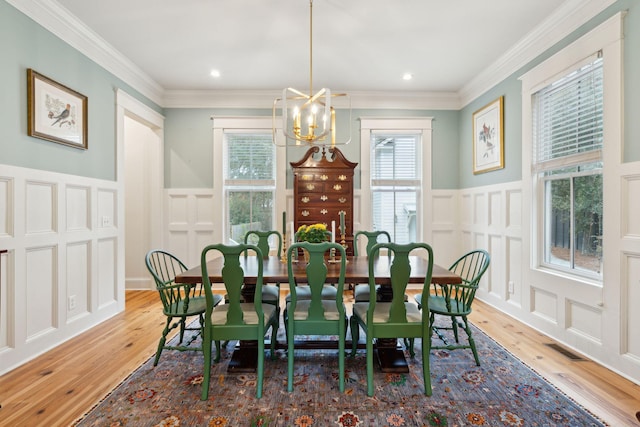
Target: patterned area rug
501	392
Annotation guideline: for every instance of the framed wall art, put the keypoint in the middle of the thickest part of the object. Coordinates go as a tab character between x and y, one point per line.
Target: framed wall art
488	138
55	112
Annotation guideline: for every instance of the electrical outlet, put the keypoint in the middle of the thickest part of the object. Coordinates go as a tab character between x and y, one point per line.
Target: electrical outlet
72	302
106	221
511	287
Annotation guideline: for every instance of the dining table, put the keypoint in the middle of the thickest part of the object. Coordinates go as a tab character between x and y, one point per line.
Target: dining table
389	355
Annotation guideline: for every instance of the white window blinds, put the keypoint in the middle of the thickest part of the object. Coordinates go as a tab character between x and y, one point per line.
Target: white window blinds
250	157
568	119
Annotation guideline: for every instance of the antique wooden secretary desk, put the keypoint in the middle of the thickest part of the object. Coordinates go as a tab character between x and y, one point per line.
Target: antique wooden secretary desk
322	188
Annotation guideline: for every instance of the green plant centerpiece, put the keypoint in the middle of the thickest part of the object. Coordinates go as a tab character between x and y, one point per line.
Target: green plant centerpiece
314	233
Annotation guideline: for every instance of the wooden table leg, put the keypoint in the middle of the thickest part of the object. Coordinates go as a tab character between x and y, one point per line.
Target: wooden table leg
389	355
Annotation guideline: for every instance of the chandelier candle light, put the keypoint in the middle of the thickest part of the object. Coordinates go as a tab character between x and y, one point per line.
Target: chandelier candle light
309	118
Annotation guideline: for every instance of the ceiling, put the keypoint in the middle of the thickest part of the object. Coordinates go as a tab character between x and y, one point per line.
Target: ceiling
358	45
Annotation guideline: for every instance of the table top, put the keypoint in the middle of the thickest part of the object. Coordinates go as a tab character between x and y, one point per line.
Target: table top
357	271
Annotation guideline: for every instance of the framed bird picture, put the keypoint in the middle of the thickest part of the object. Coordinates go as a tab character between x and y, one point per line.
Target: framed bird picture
488	139
56	113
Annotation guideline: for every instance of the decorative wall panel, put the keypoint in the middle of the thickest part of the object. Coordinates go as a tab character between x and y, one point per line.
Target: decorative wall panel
193	220
6	194
544	305
41	207
107	284
495	210
630	314
107	214
631	219
78	279
77	208
40	291
514	270
584	320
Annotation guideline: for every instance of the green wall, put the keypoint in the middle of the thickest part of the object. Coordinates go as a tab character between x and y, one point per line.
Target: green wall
510	88
189	143
25	44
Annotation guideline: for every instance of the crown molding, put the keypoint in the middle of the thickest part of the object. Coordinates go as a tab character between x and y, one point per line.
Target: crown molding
50	15
265	99
568	18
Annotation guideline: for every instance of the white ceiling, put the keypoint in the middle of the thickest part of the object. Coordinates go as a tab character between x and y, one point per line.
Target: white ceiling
358	45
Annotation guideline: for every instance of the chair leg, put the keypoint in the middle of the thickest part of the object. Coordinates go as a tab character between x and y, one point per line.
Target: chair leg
274	334
454	326
260	369
409	342
472	342
218	351
369	366
426	365
206	349
289	358
182	328
341	350
355	335
162	341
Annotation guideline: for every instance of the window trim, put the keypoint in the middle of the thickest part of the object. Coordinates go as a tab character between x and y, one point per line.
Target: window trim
369	125
229	124
606	37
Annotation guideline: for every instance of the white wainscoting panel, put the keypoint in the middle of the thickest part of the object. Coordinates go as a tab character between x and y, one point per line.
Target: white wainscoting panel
584	320
6	220
190	214
40	292
544	305
41	209
78	279
60	276
107	284
630	312
514	262
78	208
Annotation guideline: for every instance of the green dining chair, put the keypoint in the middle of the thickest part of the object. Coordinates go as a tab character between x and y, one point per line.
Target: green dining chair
270	292
398	318
180	301
361	290
454	300
329	292
236	320
315	315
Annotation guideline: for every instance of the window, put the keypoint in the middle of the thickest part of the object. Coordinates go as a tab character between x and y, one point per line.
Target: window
395	159
395	184
567	125
249	182
249	178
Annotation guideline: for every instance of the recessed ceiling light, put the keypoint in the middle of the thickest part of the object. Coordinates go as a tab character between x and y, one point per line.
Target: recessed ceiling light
215	73
407	76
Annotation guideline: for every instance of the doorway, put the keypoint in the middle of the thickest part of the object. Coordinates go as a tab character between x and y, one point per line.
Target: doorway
140	174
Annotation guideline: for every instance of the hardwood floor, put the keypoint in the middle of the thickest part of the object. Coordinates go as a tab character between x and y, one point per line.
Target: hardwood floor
61	385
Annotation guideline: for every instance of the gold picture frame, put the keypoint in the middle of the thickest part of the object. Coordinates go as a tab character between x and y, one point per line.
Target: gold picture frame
55	112
488	137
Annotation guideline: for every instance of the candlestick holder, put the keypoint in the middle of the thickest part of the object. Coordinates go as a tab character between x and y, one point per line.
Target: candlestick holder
283	255
332	253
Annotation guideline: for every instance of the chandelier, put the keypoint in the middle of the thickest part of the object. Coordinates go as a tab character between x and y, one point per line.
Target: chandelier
310	117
